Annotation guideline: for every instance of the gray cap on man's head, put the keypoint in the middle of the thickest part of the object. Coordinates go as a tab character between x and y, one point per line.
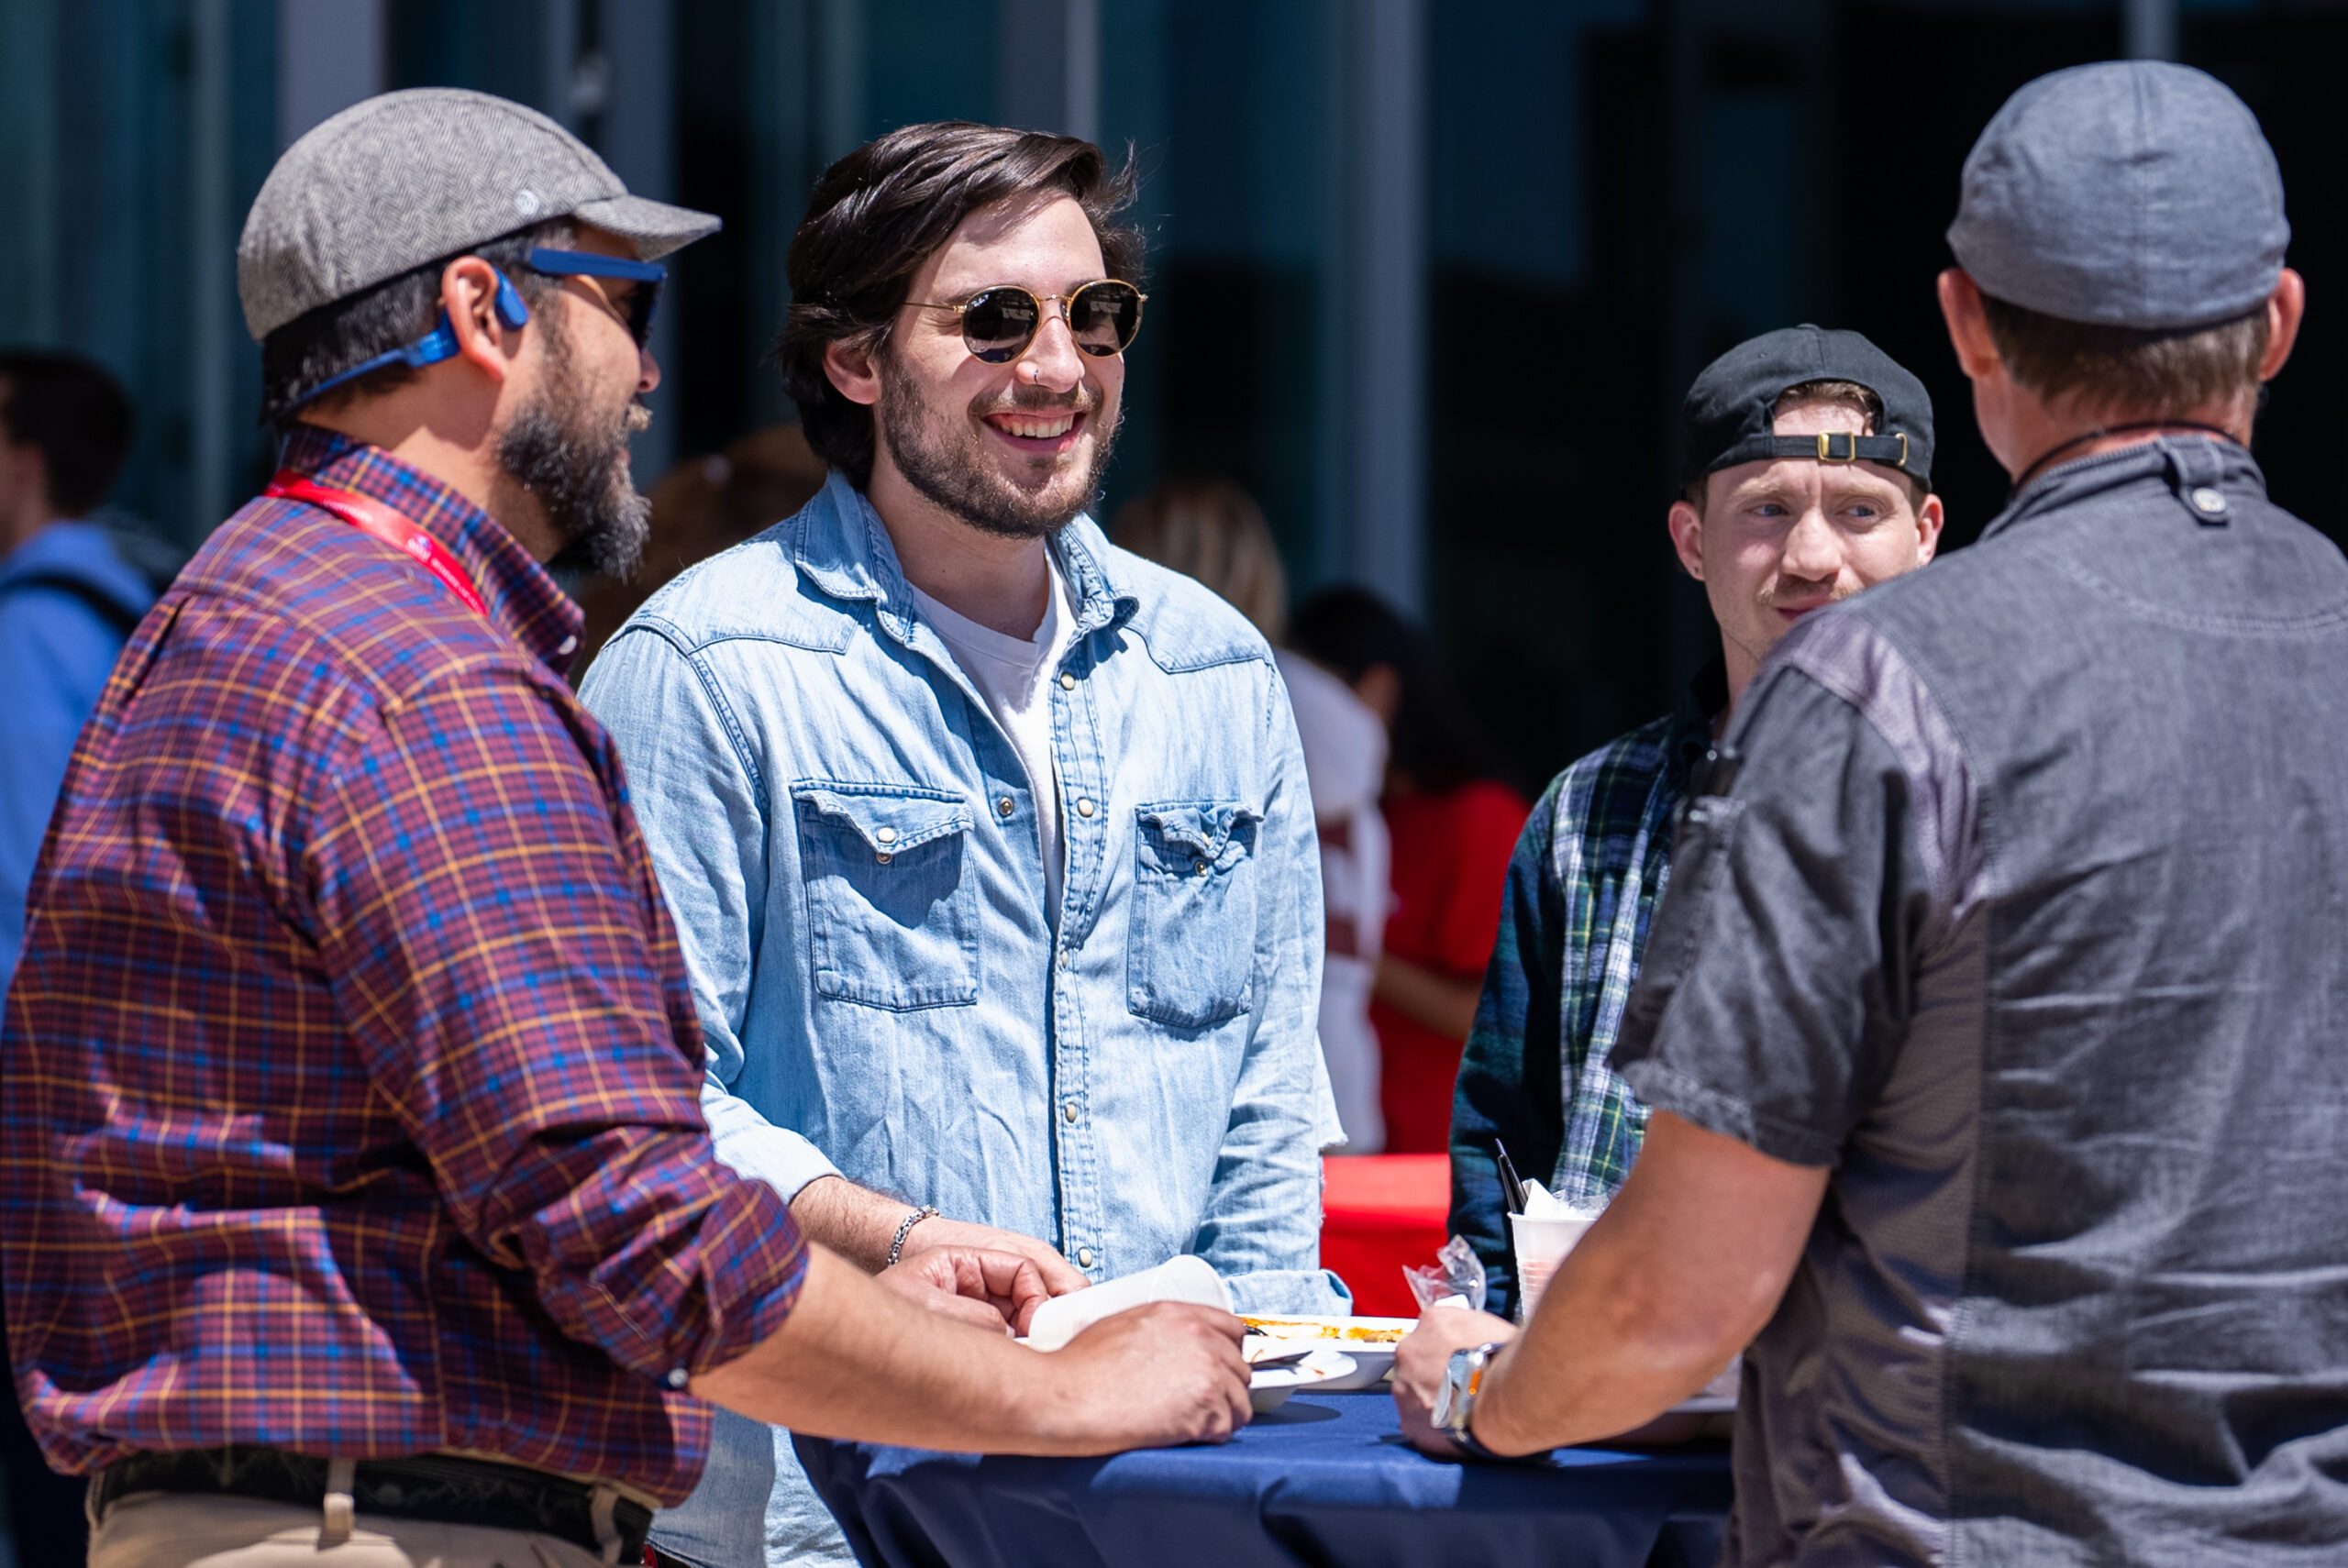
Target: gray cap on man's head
2131	193
409	177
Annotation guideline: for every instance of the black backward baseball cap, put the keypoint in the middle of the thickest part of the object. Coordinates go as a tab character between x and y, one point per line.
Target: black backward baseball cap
1728	416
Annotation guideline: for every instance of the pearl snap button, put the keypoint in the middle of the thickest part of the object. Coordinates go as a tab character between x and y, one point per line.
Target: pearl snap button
1067	681
1084	808
1084	1257
886	834
1067	1111
2209	500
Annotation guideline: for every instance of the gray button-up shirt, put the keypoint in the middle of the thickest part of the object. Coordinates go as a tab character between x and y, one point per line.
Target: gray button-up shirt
2028	913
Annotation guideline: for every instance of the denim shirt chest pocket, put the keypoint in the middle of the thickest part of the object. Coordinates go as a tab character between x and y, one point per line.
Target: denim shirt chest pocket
892	918
1190	947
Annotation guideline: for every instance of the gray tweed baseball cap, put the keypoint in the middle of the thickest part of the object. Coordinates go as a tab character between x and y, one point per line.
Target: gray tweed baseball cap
409	177
2131	194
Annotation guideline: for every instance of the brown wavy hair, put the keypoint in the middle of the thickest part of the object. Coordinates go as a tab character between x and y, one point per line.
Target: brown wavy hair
878	214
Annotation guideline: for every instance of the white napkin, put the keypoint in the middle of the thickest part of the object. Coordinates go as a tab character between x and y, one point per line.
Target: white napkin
1540	1203
1186	1278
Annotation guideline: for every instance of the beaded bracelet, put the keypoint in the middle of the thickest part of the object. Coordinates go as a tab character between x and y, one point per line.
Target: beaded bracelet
904	1228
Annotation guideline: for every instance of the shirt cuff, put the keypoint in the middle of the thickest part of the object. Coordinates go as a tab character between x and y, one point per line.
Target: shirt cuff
1664	1089
750	1146
753	1260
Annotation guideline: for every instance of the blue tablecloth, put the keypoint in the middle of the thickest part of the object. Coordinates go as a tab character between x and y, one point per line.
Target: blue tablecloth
1326	1478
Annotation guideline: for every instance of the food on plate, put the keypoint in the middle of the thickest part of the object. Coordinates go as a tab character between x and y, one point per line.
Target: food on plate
1326	1329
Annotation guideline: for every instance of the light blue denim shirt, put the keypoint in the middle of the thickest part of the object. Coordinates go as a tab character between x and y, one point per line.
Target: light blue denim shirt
848	842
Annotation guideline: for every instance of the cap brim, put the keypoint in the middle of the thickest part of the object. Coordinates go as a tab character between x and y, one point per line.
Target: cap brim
656	226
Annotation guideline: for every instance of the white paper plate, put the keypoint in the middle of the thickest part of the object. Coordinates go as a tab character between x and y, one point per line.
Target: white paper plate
1373	1358
1326	1370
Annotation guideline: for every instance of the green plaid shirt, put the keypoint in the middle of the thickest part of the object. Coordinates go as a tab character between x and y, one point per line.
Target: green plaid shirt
1538	1075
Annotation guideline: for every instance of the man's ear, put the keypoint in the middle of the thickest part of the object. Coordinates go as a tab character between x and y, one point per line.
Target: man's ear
23	470
1929	520
1687	526
469	288
1968	324
848	365
2285	307
1380	691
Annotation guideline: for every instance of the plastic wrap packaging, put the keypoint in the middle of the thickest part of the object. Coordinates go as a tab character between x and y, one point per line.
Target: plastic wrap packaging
1455	1279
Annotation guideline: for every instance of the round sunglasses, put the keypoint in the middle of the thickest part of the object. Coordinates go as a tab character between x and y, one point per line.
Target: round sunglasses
998	323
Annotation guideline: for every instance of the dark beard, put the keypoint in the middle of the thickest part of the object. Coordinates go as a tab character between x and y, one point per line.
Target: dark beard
962	489
579	473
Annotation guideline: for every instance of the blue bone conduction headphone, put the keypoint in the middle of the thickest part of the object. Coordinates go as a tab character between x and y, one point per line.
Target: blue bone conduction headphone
440	343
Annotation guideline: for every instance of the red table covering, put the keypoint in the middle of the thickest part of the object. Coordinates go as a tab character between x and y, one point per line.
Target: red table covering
1378	1214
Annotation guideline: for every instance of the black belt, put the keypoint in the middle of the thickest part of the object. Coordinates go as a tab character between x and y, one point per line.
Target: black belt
439	1487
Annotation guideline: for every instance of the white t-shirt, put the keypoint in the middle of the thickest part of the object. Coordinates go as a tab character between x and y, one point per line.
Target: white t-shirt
1345	766
1013	676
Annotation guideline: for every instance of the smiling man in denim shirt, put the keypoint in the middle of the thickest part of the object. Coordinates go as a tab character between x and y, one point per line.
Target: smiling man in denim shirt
989	842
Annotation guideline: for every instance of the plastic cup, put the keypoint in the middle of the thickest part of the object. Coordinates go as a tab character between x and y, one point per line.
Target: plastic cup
1186	1278
1541	1246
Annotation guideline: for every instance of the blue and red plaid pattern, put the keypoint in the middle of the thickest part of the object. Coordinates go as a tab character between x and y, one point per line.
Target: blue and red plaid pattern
351	1094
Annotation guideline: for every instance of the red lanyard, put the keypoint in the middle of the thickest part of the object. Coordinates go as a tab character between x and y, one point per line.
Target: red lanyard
368	515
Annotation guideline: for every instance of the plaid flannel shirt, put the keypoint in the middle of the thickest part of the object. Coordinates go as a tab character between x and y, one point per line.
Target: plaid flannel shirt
1537	1074
351	1094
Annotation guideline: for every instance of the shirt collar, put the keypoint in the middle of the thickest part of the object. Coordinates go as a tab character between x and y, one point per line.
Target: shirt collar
1692	721
844	548
523	599
2230	465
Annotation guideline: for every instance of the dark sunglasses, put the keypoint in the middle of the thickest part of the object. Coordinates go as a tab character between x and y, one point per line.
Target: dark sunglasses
998	323
648	277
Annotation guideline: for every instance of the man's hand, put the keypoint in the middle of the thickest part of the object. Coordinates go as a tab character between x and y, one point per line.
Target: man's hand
1423	1361
997	1291
954	1236
1152	1377
860	1223
858	1361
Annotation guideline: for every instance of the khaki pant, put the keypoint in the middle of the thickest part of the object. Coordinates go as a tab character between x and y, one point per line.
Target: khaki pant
179	1530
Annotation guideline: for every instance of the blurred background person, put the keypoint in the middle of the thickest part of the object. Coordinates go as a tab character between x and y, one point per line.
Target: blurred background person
1452	820
71	590
1212	529
702	507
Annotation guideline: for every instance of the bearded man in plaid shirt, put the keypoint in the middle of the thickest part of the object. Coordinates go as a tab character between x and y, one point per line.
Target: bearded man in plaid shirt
356	1195
1805	461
